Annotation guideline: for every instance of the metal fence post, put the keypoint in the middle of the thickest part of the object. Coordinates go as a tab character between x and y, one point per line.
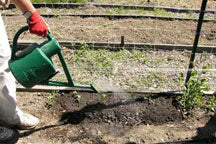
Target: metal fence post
196	40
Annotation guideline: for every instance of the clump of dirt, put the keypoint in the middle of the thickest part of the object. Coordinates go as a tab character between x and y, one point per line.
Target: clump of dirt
119	109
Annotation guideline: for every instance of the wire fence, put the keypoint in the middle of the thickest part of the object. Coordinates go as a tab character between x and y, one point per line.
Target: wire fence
171	3
146	69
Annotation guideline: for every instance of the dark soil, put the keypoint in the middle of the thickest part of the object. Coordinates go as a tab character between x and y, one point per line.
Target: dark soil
119	109
114	115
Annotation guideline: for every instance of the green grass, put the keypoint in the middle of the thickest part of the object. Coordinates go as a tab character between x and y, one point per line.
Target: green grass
153	79
161	12
96	60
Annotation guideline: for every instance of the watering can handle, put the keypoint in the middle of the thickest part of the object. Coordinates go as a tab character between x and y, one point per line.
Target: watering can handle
16	37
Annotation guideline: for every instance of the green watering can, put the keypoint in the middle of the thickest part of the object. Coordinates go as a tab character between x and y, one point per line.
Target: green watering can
33	65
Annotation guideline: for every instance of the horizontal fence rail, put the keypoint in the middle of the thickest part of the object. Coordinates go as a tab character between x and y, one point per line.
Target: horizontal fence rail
76	5
128	46
41	88
121	16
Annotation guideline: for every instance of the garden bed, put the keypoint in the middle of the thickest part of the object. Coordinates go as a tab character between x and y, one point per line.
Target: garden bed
121	118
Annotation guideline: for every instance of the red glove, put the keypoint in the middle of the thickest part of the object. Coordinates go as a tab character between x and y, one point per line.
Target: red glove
37	25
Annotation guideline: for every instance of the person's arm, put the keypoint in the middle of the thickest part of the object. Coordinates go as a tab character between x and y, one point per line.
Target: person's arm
24	5
35	21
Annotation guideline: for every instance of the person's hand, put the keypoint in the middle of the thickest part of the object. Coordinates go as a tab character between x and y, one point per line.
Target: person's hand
37	25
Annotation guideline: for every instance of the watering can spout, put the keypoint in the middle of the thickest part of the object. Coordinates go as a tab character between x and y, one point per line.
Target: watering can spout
94	88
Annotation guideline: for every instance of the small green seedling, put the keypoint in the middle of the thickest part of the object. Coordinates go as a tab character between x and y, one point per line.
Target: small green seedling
103	98
132	96
52	98
211	104
77	97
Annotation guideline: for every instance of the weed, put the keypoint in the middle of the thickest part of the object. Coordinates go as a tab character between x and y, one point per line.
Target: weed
100	62
117	10
81	52
121	8
208	18
143	11
97	61
152	101
161	12
145	98
132	96
211	104
120	55
151	80
103	98
52	98
103	64
139	55
182	77
77	97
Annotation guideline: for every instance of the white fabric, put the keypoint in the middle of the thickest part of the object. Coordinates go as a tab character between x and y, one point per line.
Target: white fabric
8	108
5	3
5	51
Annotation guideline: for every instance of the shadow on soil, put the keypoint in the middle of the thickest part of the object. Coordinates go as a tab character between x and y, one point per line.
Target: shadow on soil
208	131
29	132
77	116
205	135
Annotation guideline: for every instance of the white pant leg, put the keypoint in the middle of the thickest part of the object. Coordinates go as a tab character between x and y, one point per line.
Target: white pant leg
8	108
5	51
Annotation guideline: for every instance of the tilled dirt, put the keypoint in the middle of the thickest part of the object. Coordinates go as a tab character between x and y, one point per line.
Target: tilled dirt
121	118
134	30
117	110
